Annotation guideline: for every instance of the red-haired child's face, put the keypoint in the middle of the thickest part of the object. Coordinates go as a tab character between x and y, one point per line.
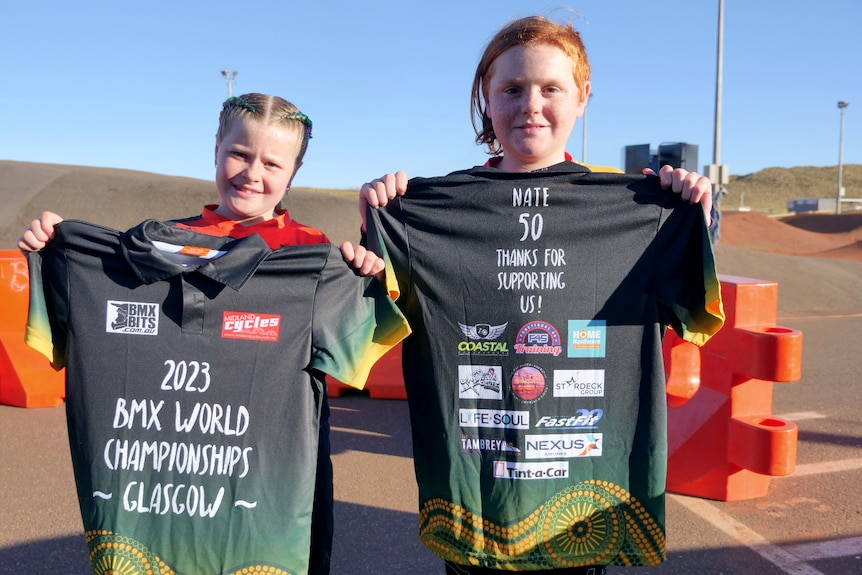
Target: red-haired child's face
533	103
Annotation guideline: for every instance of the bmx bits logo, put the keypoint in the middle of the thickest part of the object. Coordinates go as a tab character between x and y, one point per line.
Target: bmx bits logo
132	317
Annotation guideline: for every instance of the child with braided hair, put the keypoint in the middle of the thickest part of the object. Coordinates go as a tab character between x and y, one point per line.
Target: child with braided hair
260	144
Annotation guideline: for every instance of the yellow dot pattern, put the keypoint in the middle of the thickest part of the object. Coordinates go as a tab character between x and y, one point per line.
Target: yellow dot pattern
591	523
113	554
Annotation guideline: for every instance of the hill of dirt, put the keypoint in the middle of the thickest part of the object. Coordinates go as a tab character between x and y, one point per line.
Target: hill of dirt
815	258
768	191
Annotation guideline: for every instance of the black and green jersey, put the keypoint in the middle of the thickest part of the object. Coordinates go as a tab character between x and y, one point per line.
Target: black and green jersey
195	383
535	374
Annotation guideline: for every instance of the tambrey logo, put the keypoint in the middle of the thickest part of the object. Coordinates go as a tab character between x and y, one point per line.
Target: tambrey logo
132	317
249	325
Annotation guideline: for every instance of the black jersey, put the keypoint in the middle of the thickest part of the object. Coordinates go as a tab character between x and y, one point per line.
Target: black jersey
534	373
195	382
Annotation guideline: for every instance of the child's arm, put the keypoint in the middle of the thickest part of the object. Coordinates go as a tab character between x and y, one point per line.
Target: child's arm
40	232
364	261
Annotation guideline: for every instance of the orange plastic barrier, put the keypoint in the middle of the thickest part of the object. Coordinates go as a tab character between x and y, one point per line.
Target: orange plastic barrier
723	441
26	377
386	381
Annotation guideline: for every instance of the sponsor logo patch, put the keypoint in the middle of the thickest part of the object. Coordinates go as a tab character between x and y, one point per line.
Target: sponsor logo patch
494	418
538	337
579	383
480	382
531	470
528	383
587	338
132	317
251	326
564	445
482	338
473	444
583	419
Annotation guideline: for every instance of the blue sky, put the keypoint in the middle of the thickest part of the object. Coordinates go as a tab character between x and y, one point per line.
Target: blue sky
138	85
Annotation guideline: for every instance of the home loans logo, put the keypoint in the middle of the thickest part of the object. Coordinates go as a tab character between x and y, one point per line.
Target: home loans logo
132	317
252	326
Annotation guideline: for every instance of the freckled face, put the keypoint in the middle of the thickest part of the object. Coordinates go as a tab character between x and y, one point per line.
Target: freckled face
255	164
533	103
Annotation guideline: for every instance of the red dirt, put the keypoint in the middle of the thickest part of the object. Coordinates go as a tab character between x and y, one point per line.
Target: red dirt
820	235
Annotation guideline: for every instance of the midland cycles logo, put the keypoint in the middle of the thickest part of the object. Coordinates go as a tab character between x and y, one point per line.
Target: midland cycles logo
251	326
482	338
132	317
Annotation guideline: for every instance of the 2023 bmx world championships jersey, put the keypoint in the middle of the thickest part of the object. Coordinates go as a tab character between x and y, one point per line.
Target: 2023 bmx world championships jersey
534	372
194	370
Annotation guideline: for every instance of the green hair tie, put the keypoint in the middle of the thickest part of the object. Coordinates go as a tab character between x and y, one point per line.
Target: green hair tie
302	118
240	102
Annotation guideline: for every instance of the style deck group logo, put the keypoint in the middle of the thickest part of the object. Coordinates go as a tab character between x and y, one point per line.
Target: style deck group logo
132	317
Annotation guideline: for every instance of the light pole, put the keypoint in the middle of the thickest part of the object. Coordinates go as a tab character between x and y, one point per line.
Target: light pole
230	77
841	106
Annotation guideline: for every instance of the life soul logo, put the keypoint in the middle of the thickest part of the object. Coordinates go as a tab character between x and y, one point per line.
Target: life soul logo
494	418
528	383
475	445
579	383
482	339
587	337
251	326
480	382
538	337
132	318
583	419
566	446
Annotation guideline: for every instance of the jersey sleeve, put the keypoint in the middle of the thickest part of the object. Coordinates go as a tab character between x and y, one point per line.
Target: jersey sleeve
45	330
691	290
354	324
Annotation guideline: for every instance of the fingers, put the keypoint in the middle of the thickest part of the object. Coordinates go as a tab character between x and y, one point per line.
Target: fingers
377	193
40	232
365	262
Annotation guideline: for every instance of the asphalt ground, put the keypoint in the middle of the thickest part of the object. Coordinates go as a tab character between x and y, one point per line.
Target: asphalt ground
809	523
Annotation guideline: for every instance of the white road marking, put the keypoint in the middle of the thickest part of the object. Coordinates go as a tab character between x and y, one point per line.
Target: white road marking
784	560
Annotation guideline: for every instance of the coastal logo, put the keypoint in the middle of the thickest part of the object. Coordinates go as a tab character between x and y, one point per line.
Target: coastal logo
579	383
528	383
587	337
482	339
251	326
480	382
132	317
538	337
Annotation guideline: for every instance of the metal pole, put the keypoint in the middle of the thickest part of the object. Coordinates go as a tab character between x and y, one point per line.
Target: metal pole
841	106
229	76
716	146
